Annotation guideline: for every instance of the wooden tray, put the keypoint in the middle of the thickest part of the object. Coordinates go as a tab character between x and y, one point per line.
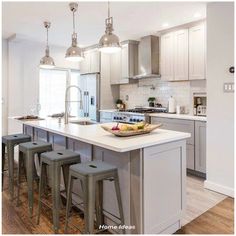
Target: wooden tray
147	129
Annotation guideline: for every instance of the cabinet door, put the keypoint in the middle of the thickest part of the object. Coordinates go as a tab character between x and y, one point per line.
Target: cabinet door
115	68
94	61
197	42
58	142
181	55
28	130
125	61
190	162
105	117
85	64
167	56
40	135
200	146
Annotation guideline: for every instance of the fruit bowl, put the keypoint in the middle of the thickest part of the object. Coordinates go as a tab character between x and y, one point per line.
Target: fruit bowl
126	130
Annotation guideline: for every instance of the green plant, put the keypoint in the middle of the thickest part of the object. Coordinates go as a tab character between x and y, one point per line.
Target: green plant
151	99
119	101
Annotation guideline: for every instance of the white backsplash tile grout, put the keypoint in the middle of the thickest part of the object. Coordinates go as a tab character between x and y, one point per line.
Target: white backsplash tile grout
182	92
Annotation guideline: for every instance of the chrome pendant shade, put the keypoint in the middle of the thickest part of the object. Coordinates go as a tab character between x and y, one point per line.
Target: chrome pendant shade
109	42
47	62
74	53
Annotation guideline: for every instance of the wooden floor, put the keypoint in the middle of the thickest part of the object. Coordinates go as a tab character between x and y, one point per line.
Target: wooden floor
218	219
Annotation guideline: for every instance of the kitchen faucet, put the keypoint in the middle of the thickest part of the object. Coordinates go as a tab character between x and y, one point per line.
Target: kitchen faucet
68	101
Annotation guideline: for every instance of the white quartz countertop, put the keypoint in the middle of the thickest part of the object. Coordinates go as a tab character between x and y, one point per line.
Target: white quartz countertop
180	116
95	135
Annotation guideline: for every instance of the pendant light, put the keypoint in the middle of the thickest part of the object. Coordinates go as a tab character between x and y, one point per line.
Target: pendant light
47	62
109	42
74	53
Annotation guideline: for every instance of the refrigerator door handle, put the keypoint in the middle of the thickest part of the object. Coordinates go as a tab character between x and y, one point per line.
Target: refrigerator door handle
85	107
88	104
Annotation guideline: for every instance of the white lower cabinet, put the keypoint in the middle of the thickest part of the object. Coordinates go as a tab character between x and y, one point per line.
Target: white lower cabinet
105	117
196	144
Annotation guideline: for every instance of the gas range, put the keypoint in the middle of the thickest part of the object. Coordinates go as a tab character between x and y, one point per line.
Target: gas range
132	116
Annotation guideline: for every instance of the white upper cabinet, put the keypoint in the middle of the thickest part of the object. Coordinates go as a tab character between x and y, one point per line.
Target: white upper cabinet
167	56
115	65
124	64
197	42
181	55
91	62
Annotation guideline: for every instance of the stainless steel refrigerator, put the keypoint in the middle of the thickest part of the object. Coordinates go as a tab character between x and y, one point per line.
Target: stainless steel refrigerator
90	86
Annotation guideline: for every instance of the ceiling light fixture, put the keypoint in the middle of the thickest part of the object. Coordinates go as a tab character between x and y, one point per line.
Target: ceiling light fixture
47	62
109	42
74	53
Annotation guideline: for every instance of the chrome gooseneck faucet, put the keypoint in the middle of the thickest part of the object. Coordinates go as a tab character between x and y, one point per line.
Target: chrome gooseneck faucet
68	101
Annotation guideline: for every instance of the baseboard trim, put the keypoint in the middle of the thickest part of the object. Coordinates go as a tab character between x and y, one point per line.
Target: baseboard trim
219	188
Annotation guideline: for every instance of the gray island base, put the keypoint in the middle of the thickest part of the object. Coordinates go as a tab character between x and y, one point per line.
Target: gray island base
152	177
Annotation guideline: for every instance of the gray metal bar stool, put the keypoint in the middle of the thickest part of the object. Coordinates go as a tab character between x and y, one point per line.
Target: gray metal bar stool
27	152
55	160
9	142
92	174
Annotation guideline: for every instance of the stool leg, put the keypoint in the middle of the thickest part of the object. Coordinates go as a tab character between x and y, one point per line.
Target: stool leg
3	162
99	203
41	184
90	204
20	166
118	194
69	200
56	177
10	153
29	173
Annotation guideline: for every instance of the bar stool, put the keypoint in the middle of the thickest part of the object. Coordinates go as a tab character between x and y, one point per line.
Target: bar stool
9	142
56	160
92	174
26	154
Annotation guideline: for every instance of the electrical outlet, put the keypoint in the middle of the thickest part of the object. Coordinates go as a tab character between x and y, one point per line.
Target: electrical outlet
228	87
127	98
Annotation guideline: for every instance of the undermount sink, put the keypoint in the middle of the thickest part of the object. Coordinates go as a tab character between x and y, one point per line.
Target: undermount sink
83	122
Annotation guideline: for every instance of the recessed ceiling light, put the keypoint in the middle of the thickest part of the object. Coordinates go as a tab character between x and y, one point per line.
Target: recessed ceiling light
164	25
197	15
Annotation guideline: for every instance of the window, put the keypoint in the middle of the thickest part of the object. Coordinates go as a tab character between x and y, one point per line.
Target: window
52	87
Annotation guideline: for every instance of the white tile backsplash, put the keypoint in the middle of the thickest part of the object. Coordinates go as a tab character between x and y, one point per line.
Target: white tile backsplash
182	91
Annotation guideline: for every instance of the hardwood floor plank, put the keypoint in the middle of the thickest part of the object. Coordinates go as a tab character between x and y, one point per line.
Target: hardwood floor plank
217	220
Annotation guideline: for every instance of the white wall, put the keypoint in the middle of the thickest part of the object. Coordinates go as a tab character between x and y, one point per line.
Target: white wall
220	114
23	75
4	85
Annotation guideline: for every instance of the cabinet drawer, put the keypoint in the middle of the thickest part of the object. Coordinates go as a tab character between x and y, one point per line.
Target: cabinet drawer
190	156
176	125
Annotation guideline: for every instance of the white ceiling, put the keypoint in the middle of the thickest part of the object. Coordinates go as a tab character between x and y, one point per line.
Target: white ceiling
131	19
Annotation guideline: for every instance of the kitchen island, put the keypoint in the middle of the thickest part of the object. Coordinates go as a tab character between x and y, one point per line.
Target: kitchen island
152	171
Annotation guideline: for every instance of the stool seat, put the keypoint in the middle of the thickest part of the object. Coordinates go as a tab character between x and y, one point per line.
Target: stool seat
15	139
60	155
92	168
36	146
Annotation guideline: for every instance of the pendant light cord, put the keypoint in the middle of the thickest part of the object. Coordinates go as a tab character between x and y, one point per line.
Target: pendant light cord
47	37
73	21
108	13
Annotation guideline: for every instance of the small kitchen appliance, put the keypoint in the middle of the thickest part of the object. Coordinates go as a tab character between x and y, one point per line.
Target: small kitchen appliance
199	104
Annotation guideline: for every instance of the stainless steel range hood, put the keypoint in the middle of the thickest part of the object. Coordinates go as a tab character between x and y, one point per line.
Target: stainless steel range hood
148	58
